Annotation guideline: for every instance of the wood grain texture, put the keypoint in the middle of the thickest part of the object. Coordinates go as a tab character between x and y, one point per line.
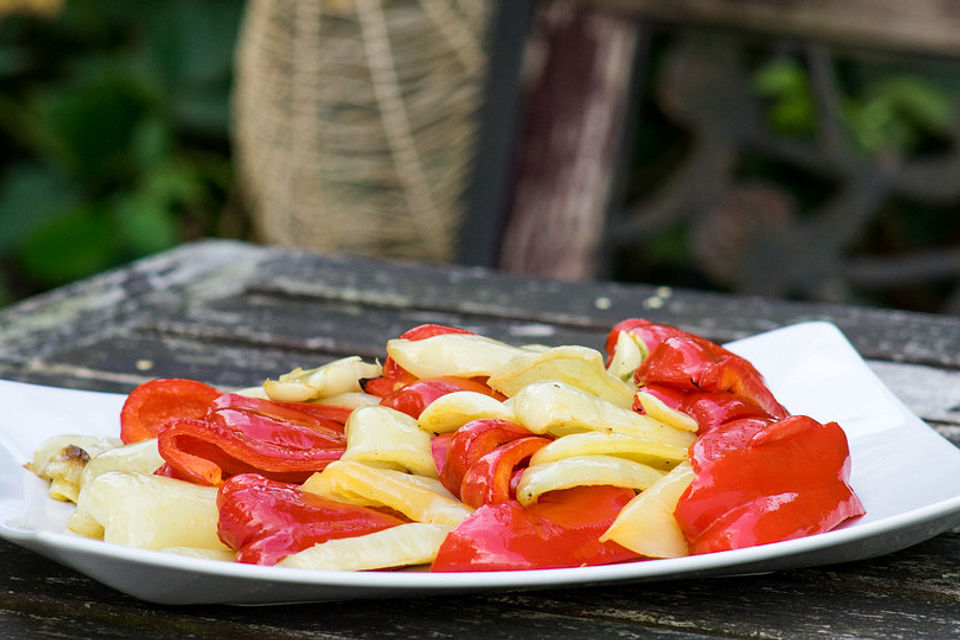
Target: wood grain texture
910	594
919	26
232	313
270	300
578	72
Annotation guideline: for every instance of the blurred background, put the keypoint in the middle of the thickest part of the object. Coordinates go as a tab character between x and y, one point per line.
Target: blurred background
733	160
114	144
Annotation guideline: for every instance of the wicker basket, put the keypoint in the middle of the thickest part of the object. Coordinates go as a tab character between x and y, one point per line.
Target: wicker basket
355	121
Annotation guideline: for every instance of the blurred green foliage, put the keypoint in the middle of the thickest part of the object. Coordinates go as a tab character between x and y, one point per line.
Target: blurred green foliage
883	110
113	135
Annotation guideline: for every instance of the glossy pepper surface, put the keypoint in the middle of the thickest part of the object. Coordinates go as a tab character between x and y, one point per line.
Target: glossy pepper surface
767	482
471	442
241	435
686	361
696	365
413	398
562	529
264	521
151	405
761	475
490	479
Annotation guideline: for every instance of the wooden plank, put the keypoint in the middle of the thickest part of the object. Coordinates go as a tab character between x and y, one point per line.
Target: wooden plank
910	594
919	26
856	600
931	393
579	69
115	299
478	293
193	312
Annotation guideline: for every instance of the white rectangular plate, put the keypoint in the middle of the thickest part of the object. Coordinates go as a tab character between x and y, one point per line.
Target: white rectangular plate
907	476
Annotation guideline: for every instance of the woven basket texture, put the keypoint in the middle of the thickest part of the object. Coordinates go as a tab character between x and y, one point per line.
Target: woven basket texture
355	122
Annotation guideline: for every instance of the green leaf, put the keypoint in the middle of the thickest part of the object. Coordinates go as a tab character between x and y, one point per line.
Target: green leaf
187	51
784	76
152	144
896	113
77	244
145	226
786	84
30	196
176	183
91	125
921	103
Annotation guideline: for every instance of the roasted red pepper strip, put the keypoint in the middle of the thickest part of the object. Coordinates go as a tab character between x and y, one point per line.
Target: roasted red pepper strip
264	521
471	442
678	361
652	334
229	442
151	405
488	480
439	446
694	365
394	376
413	398
561	530
790	479
678	358
303	413
733	434
429	330
671	396
761	475
711	410
735	374
382	386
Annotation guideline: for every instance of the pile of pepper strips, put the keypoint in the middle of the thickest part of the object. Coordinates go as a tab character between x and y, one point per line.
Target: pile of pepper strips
761	475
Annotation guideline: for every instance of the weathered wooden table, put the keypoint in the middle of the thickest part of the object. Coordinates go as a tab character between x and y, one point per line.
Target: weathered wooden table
231	314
